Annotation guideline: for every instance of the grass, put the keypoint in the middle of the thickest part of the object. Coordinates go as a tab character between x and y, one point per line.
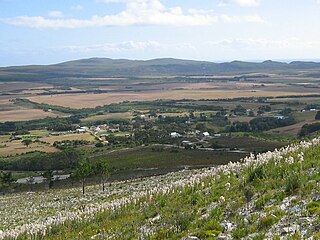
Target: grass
166	157
200	203
182	213
70	137
92	100
12	148
108	116
250	144
26	114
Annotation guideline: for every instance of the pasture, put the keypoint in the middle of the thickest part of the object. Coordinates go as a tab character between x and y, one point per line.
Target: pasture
108	116
69	137
16	147
26	114
93	100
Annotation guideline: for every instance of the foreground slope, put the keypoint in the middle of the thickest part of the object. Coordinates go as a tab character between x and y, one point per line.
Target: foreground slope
274	195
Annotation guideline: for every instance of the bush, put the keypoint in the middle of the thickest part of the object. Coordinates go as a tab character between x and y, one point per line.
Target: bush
266	222
314	208
256	173
99	144
293	182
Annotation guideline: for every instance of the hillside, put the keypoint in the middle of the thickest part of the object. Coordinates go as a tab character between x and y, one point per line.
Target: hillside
274	195
105	67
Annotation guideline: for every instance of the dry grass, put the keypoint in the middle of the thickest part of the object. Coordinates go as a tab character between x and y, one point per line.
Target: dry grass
10	86
25	114
93	100
292	130
240	119
125	115
81	136
16	147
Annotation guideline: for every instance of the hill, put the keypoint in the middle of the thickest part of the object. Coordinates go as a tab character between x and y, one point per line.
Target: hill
274	195
105	67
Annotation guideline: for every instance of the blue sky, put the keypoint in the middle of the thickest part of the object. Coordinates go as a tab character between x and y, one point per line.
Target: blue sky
46	31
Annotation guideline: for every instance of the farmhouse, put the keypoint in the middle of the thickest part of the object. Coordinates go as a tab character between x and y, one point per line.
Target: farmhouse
175	135
82	129
206	134
186	142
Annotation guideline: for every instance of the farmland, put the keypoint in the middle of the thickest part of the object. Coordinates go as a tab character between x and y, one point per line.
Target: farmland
93	100
140	129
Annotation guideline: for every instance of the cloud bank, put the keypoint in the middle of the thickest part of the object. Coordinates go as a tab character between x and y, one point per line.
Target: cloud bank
137	12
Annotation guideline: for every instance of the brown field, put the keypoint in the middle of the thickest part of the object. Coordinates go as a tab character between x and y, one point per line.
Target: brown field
8	148
307	100
292	130
93	100
240	119
81	136
125	115
25	114
10	86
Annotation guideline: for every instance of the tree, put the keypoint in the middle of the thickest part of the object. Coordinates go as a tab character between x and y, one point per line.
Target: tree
27	142
83	171
6	179
102	169
30	181
48	175
99	144
317	117
201	127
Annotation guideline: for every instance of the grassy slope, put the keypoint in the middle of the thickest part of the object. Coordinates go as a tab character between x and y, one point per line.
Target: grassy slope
268	200
269	197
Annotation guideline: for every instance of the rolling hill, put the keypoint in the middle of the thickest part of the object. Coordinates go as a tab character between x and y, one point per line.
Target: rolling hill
106	67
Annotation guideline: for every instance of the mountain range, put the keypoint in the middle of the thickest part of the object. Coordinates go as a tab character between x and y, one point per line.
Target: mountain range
106	67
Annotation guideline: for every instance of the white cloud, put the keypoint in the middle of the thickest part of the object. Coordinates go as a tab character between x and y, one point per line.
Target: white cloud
249	43
137	12
113	1
55	14
243	3
77	7
238	19
125	47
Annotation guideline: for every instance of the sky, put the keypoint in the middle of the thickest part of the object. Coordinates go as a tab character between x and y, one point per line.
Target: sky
46	31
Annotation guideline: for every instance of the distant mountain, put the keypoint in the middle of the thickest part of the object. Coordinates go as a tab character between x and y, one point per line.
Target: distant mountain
106	67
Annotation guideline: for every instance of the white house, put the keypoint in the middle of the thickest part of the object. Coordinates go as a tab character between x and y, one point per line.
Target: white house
82	129
186	142
175	135
206	134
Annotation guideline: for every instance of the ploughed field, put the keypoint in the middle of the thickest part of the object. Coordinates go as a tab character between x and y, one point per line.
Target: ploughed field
93	92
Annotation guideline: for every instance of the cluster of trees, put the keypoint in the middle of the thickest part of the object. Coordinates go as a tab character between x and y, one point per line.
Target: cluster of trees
267	123
309	129
37	161
86	169
6	179
260	124
263	109
55	124
69	144
82	171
